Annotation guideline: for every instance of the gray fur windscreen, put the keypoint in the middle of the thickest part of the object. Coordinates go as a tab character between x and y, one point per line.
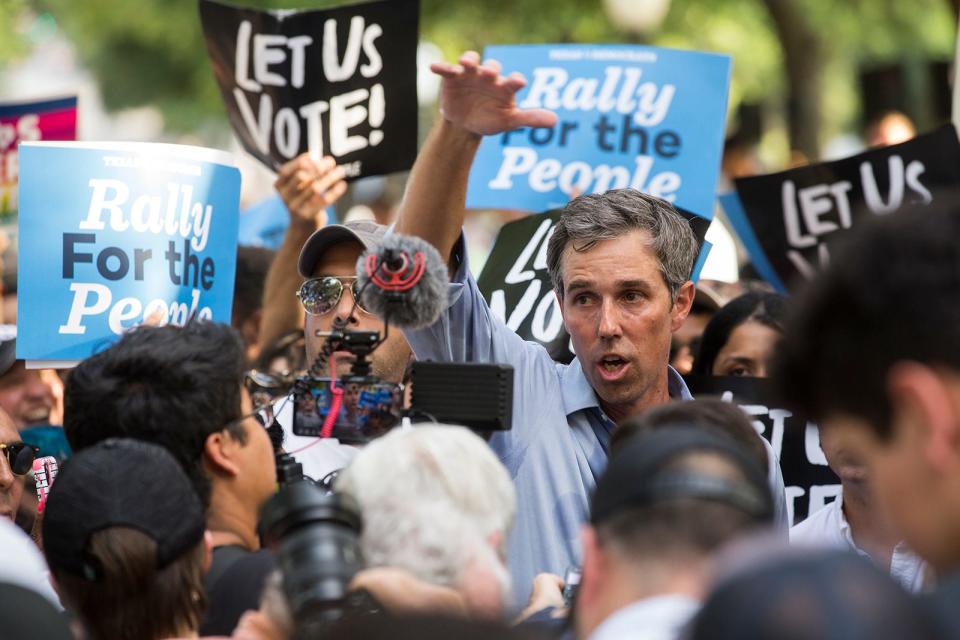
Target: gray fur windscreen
424	302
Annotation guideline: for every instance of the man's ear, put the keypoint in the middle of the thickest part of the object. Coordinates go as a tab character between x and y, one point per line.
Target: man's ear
924	399
682	305
219	453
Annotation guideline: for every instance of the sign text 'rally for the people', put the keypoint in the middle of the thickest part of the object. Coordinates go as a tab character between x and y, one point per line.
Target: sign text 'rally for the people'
127	234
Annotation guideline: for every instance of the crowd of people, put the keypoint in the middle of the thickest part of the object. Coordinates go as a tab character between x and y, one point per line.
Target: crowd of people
617	505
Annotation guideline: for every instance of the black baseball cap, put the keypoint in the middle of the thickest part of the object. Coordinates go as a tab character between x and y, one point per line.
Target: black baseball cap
365	232
636	475
120	483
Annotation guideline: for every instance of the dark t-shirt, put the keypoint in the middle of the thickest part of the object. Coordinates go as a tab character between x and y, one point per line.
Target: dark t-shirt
233	585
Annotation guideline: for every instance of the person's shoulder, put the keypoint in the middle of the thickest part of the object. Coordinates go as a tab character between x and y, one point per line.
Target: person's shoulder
261	559
819	528
235	563
234	585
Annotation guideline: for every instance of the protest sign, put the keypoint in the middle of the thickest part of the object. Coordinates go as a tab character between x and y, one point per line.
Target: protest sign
115	234
28	122
733	209
517	286
796	214
340	82
810	484
629	116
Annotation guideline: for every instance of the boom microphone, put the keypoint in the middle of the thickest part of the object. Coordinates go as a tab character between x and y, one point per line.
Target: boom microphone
404	281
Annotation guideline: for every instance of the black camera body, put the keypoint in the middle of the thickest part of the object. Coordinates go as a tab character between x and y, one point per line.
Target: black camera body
315	538
476	395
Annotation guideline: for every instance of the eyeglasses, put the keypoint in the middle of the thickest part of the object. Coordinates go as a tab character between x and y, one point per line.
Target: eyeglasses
320	296
20	456
264	415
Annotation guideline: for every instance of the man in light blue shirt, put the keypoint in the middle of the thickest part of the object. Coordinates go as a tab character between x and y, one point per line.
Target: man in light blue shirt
620	263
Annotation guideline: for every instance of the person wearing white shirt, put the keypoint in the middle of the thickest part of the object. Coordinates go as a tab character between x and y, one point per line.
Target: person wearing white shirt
328	263
667	501
854	522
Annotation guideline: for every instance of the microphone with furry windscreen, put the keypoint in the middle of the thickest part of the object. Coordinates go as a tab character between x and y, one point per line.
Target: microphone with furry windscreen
403	281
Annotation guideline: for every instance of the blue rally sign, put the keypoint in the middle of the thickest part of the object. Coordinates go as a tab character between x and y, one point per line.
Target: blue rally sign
113	235
629	116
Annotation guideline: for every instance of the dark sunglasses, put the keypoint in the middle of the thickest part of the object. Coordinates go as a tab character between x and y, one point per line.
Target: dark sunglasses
20	456
320	296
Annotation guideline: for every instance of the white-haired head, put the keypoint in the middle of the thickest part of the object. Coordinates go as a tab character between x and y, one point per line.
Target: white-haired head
435	501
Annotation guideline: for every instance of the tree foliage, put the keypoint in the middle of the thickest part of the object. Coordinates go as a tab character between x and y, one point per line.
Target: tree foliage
152	51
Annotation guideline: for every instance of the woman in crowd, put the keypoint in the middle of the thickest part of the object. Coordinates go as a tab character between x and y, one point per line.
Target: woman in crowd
740	338
123	534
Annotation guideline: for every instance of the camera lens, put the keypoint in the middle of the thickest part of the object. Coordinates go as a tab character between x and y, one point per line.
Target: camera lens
316	540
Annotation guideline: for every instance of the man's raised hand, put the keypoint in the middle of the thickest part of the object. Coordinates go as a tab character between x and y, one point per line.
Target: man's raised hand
477	98
308	188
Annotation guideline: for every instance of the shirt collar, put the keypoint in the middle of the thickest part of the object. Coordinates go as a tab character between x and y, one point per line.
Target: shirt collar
847	533
578	394
657	617
842	523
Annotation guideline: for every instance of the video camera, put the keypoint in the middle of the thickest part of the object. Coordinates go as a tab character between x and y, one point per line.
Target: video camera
404	282
479	396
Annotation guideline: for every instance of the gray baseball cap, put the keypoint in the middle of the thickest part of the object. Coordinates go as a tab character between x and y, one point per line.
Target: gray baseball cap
365	232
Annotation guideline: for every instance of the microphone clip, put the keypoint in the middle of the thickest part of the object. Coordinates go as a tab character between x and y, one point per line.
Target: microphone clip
396	271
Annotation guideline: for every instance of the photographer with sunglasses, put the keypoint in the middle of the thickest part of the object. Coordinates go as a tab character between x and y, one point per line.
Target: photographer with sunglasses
328	261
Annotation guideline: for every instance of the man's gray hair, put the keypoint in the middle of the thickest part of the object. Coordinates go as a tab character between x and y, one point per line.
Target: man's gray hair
603	216
431	497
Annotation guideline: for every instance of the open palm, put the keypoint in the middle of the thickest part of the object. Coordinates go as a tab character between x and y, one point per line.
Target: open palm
479	99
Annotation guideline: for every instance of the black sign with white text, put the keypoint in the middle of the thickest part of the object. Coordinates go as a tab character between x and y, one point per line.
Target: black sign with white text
339	82
796	214
809	482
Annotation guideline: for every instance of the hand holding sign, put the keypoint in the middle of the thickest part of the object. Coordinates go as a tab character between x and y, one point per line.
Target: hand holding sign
476	97
308	188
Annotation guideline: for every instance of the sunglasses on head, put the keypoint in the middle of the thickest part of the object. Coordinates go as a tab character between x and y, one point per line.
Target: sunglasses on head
320	296
20	456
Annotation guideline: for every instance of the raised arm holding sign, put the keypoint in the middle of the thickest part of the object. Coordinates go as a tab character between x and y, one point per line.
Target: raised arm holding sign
307	188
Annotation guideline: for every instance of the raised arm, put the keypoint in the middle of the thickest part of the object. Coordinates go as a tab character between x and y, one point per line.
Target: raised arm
475	100
307	189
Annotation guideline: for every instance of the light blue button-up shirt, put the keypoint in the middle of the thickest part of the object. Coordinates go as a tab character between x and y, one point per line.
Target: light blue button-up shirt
558	445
